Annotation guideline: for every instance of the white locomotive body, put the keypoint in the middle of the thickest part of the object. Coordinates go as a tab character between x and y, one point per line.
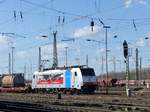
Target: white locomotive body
69	79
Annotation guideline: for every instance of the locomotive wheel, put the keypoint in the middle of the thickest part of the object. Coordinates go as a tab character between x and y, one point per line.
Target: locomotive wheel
73	91
68	92
78	92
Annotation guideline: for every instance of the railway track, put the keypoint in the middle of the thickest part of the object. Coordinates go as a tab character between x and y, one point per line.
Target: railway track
108	106
24	107
76	103
6	106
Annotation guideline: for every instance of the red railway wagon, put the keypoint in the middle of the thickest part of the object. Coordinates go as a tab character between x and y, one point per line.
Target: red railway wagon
14	89
104	82
132	82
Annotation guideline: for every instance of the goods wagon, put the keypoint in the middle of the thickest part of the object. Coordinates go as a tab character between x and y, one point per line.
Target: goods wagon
13	80
0	80
75	79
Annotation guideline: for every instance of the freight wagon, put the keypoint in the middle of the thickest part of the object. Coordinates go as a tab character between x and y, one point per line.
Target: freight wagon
12	83
12	80
73	80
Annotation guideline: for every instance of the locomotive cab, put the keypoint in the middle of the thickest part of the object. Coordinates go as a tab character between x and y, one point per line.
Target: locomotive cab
84	79
89	80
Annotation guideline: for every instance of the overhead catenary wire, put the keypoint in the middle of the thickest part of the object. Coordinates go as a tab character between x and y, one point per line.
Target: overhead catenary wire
71	13
50	8
59	11
78	17
63	12
129	24
75	18
68	13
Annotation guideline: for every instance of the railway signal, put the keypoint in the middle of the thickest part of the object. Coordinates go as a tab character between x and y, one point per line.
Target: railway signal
125	49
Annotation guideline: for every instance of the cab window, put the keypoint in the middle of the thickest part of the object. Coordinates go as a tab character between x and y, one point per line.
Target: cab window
75	73
87	72
33	76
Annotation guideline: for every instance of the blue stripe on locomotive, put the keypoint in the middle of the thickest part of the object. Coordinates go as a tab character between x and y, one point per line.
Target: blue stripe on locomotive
68	78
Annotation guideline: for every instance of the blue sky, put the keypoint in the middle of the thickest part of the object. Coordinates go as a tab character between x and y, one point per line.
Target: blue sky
129	20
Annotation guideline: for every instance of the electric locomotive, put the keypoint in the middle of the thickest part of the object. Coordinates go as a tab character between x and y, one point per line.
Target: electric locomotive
76	79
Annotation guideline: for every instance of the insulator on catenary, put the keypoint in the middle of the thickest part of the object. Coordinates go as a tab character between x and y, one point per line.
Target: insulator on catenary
58	19
21	15
15	15
92	25
63	20
134	25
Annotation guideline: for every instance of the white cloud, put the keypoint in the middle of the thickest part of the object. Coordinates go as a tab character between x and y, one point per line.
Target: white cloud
5	42
140	42
47	51
22	54
77	50
119	47
128	3
86	31
101	50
